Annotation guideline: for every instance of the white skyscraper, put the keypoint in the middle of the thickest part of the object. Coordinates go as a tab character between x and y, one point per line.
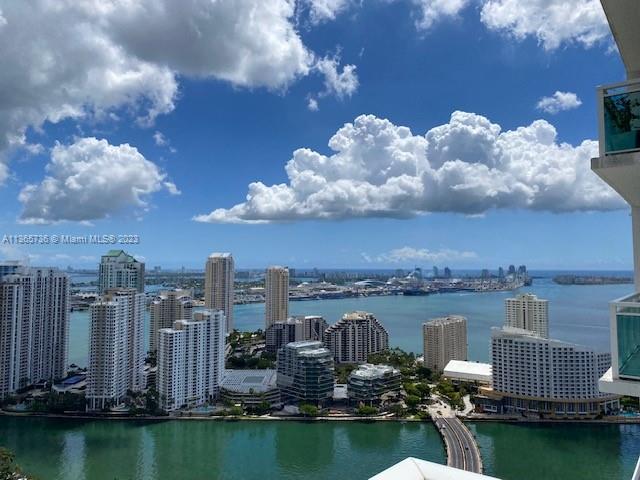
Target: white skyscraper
167	308
116	351
218	285
34	326
120	270
191	360
528	312
445	339
276	291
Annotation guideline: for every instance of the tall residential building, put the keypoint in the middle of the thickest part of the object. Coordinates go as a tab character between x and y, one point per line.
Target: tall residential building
356	336
528	312
118	269
219	285
166	309
538	375
618	164
276	292
295	329
34	326
116	350
305	373
191	360
444	339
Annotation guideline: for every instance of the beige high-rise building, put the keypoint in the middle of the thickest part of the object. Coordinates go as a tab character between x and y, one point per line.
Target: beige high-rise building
528	312
276	292
166	309
445	339
356	336
218	285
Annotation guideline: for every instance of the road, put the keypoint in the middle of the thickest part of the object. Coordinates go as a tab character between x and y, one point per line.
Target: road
462	450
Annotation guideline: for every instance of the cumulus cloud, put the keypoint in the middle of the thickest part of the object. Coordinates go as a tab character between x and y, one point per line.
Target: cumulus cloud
160	139
406	254
91	179
312	104
559	102
75	60
468	165
324	10
432	11
551	22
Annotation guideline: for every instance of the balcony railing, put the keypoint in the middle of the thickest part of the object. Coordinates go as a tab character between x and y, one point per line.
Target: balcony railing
619	106
627	322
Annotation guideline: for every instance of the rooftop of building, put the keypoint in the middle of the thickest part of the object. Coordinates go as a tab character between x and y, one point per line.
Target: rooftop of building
521	333
221	255
118	253
468	371
446	320
369	371
249	381
415	469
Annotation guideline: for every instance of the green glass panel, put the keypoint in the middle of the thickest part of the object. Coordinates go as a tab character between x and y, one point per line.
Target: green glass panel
628	345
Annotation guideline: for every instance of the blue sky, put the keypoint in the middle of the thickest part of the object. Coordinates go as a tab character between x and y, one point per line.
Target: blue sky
233	106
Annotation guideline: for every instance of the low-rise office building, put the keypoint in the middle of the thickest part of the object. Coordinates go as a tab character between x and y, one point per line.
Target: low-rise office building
305	373
368	383
250	387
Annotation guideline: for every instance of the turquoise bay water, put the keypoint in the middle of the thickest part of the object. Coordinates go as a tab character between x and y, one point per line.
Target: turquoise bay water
578	314
71	449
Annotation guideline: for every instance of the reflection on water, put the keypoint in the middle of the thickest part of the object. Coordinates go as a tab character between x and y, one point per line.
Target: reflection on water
108	450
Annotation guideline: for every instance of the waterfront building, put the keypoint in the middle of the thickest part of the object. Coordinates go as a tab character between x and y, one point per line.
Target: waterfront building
541	376
276	292
294	329
250	387
528	312
444	339
116	351
118	269
34	326
305	373
219	278
356	336
191	361
368	383
618	164
167	308
468	372
447	272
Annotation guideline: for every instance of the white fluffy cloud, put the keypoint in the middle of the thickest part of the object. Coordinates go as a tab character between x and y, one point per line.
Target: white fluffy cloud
551	22
406	254
74	60
432	11
468	165
341	84
90	180
559	102
323	10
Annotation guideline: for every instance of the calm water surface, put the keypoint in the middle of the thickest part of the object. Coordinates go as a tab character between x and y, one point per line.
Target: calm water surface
97	450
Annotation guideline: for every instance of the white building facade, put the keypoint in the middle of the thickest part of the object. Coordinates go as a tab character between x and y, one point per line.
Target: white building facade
166	309
219	285
276	295
356	336
116	348
528	312
118	269
191	361
444	339
34	326
544	376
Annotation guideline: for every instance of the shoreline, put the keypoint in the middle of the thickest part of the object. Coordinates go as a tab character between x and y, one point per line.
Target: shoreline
269	418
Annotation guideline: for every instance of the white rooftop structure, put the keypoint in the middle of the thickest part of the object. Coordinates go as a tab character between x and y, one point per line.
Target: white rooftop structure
468	371
416	469
369	371
249	381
